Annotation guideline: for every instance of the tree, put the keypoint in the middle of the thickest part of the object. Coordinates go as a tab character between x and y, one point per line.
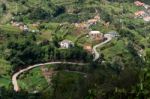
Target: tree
59	10
148	57
39	13
3	5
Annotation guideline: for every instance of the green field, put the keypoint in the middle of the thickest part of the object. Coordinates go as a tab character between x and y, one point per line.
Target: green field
33	81
121	72
5	79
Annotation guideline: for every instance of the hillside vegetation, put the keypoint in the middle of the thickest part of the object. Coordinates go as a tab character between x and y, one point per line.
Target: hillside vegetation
31	32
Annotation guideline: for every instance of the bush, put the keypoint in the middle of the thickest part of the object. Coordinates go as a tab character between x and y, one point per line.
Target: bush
40	14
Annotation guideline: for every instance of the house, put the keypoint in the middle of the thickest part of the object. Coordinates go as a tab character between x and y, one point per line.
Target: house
36	24
66	44
94	20
20	25
138	3
96	35
81	25
113	33
140	14
16	24
88	47
106	24
147	19
25	28
97	17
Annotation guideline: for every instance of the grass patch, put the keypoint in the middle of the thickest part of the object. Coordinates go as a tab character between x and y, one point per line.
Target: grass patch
9	29
4	66
5	81
119	47
33	80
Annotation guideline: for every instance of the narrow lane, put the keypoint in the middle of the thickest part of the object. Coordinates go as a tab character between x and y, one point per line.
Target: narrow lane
15	76
96	53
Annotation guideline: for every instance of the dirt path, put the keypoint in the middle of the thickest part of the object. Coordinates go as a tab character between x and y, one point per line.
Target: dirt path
15	76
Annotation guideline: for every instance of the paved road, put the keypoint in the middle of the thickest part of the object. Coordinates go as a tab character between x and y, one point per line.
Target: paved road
96	54
15	76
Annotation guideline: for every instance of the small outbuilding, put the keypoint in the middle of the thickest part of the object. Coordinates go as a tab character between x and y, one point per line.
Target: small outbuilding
113	34
88	47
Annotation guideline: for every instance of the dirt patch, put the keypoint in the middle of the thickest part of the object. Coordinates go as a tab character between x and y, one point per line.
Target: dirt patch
48	73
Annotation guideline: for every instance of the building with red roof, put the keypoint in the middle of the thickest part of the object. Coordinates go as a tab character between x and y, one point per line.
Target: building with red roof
138	3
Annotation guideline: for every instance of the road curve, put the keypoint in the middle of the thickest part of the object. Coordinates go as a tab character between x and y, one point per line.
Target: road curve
15	76
96	54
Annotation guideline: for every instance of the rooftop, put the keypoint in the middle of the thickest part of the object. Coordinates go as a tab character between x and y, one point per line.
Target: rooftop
147	19
66	41
138	3
95	32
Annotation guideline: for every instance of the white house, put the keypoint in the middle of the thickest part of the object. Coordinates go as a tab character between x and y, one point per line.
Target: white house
147	19
25	28
66	44
95	33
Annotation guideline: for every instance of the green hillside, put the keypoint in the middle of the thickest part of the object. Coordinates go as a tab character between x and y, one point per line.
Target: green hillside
31	32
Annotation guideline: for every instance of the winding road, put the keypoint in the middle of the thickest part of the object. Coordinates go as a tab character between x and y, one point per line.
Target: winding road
96	54
15	76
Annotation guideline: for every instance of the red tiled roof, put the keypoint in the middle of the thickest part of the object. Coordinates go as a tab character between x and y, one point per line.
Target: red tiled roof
138	3
139	13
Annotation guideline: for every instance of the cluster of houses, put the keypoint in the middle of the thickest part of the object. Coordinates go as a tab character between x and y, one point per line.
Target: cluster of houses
95	35
85	25
20	25
24	27
144	14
